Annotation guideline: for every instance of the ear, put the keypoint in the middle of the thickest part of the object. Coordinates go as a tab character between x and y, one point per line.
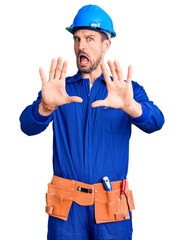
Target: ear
106	45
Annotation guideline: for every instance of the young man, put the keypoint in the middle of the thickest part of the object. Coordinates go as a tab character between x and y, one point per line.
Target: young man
92	114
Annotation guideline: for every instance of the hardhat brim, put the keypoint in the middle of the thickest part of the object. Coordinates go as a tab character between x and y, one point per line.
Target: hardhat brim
72	30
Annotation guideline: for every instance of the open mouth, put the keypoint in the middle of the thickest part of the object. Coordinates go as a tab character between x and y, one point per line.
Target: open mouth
83	59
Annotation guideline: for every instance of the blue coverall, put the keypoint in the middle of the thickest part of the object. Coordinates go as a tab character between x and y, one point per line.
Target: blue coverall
88	144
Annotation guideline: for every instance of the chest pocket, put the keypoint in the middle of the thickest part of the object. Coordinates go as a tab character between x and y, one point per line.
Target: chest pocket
116	121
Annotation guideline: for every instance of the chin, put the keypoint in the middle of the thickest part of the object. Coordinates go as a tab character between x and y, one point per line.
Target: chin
84	69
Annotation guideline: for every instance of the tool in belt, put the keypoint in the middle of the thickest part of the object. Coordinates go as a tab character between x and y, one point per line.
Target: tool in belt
109	207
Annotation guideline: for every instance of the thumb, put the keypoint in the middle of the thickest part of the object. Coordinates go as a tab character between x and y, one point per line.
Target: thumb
42	76
99	103
76	99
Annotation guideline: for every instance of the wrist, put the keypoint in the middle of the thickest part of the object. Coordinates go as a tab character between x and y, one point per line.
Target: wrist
134	110
143	117
44	109
39	117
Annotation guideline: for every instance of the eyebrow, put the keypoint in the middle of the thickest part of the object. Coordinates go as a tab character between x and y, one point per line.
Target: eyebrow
86	36
90	35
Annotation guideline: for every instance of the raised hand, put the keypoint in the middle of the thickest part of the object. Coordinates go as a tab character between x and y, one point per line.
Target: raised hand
53	90
120	92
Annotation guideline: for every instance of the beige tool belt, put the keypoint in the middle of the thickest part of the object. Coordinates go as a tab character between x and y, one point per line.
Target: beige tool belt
109	207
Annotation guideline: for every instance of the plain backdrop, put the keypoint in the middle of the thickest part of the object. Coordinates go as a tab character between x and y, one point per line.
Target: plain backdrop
150	37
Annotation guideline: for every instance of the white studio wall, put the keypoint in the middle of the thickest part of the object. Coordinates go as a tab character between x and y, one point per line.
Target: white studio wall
149	37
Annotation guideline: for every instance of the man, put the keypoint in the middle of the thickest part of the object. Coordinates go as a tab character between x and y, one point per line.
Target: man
92	114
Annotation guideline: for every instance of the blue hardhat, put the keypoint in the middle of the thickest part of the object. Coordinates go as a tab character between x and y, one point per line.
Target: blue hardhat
94	18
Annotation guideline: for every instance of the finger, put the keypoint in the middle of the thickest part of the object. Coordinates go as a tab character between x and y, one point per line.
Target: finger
129	75
43	77
75	99
99	103
64	70
113	71
105	73
119	70
58	68
52	69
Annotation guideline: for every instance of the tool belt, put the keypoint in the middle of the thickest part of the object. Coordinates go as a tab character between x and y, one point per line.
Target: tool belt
109	207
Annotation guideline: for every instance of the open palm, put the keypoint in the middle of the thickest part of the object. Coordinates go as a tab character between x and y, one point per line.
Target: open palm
53	90
120	93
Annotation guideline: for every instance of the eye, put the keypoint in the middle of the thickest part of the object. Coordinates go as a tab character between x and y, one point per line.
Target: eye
89	39
76	39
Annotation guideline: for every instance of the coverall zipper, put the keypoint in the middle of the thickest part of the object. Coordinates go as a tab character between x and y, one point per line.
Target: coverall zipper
89	88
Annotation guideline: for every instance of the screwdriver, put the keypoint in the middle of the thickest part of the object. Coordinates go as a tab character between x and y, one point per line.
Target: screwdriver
123	187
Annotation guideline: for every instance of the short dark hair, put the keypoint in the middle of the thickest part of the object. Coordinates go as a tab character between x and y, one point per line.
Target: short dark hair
104	36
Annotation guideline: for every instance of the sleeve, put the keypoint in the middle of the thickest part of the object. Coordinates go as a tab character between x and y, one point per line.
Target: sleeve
31	121
152	118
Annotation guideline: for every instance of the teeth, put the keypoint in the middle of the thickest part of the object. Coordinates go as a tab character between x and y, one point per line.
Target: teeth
84	61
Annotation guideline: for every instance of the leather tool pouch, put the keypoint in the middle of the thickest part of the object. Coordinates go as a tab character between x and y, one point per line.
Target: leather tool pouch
58	202
109	207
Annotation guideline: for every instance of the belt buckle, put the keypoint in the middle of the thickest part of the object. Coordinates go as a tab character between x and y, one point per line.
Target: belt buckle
86	190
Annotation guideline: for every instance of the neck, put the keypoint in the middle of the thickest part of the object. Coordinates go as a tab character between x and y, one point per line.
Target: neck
92	75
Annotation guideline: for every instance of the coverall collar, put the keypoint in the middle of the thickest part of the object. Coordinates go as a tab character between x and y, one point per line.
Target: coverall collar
78	77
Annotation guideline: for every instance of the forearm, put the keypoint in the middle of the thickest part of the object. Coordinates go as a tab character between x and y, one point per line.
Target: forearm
151	120
32	122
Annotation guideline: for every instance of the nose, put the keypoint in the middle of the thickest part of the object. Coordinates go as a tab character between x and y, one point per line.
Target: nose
82	44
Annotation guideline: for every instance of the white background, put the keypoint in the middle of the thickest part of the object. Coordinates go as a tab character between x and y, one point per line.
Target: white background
150	37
